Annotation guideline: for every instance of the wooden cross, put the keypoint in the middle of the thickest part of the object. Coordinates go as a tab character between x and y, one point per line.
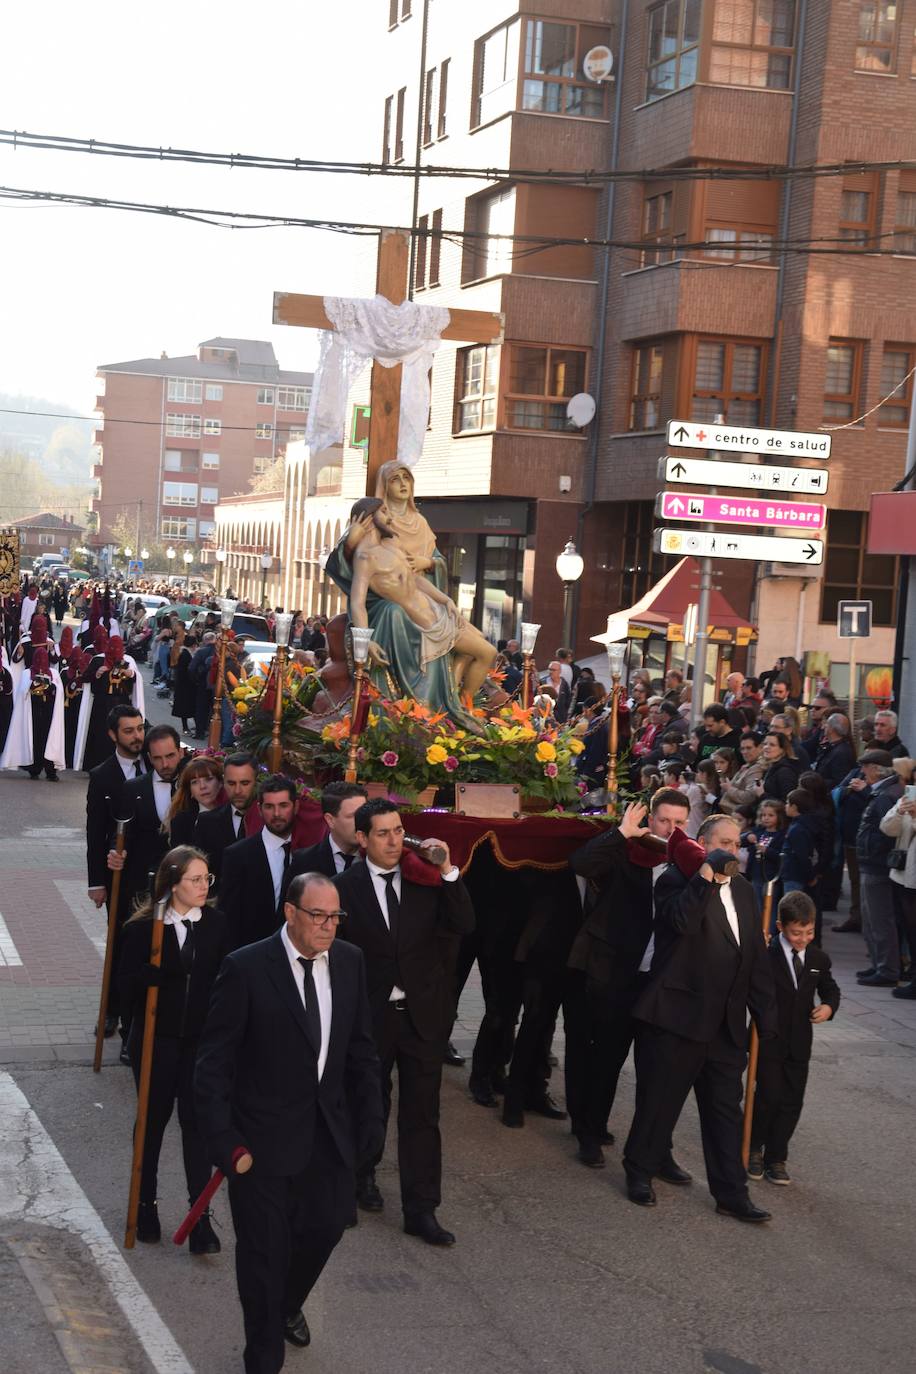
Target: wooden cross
469	326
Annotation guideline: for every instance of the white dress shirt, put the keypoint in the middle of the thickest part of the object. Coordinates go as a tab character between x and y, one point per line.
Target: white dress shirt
645	962
321	977
728	903
162	795
273	846
788	951
171	918
128	766
338	856
381	893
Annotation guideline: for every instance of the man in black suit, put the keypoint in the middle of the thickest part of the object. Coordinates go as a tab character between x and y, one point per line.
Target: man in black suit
340	802
399	925
287	1069
215	831
146	800
256	871
103	808
710	964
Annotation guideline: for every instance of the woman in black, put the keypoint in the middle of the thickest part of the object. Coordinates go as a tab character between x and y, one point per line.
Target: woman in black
783	768
199	789
194	944
184	692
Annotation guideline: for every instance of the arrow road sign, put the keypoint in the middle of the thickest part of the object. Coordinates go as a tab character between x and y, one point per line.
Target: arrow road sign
738	510
709	472
762	548
783	443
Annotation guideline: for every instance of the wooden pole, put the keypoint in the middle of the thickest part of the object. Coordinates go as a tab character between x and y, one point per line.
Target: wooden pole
527	664
754	1048
275	748
359	673
146	1068
385	411
216	715
612	745
120	828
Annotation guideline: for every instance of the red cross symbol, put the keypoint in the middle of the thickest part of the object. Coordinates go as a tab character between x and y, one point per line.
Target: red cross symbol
701	435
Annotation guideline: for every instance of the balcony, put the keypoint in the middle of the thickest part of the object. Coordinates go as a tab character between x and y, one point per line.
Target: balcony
696	297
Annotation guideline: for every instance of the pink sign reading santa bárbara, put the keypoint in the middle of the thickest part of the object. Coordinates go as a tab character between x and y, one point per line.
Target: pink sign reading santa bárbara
738	510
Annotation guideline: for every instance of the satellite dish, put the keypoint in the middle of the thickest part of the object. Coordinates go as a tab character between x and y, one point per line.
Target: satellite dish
581	409
598	63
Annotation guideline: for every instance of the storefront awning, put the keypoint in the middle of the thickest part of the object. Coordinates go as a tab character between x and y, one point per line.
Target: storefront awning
663	608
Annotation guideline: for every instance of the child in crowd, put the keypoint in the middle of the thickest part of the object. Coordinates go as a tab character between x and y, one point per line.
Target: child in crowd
764	842
800	970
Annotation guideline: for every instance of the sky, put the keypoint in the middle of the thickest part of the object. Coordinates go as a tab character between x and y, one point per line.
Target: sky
83	287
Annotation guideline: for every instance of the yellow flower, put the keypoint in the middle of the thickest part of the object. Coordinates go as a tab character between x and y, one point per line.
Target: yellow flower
527	734
373	719
545	752
436	754
575	746
242	708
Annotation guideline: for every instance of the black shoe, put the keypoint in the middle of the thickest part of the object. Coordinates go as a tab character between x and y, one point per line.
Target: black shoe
848	927
203	1240
907	993
148	1228
481	1094
672	1172
368	1196
878	980
867	972
591	1155
425	1225
124	1058
643	1194
296	1330
777	1173
755	1166
452	1057
353	1222
511	1116
606	1137
545	1106
742	1211
53	776
498	1081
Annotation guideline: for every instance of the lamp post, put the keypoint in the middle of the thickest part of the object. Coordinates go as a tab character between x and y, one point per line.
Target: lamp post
282	627
187	558
267	562
570	566
170	555
220	555
529	635
144	554
361	640
616	654
226	612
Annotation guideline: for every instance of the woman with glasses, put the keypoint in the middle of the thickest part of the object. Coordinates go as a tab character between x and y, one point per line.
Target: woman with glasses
194	942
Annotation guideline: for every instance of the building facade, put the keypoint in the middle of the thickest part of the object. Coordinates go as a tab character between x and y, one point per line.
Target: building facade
45	533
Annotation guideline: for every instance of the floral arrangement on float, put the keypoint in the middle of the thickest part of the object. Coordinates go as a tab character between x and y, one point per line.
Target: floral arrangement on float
253	700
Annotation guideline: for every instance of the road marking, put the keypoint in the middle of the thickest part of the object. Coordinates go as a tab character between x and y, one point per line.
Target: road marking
9	954
91	919
37	1186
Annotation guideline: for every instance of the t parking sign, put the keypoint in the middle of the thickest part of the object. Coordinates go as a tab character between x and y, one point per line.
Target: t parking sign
853	619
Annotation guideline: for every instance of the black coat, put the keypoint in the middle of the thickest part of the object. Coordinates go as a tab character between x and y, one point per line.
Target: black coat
782	777
800	851
214	833
247	892
701	980
183	999
147	844
872	845
833	762
256	1079
418	962
851	804
318	858
794	1005
618	913
103	806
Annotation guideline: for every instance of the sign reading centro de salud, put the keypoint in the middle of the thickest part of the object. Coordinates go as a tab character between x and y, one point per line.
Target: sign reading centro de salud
746	439
738	510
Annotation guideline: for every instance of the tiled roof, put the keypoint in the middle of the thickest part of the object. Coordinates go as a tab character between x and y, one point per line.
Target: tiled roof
257	362
45	521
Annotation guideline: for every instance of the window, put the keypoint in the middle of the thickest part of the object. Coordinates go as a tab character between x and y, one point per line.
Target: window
214	391
496	73
261	465
426	255
442	124
656	228
184	389
541	381
45	540
209	461
386	134
392	13
213	427
182	426
752	43
877	46
399	126
209	496
905	227
646	397
896	366
476	383
492	213
851	574
640	566
263	431
429	95
295	435
180	460
178	527
265	396
553	82
179	493
728	381
293	397
843	379
674	36
859	208
205	528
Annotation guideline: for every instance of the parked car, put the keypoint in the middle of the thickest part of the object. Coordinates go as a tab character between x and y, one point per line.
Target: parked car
251	626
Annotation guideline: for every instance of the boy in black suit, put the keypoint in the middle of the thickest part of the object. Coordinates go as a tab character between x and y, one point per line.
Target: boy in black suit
800	969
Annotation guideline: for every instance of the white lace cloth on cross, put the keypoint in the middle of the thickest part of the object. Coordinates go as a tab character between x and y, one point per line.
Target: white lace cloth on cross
390	334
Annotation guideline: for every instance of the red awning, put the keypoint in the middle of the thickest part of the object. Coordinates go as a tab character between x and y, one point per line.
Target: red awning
666	604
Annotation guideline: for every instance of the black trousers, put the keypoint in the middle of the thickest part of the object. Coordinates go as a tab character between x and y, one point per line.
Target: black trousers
419	1066
286	1230
600	1030
669	1066
171	1082
778	1104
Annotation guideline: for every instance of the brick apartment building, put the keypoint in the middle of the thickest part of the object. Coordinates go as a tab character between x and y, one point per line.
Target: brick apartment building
658	329
177	434
46	533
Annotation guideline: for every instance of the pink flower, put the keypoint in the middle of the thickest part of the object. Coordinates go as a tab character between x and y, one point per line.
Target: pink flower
451	763
236	729
390	759
581	788
551	770
361	755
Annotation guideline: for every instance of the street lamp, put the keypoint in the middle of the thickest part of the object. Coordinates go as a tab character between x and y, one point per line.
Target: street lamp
529	635
144	554
226	612
616	653
128	551
267	562
220	555
187	558
170	554
570	567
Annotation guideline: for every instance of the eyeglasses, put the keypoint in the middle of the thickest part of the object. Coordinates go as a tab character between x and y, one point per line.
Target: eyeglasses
322	918
207	878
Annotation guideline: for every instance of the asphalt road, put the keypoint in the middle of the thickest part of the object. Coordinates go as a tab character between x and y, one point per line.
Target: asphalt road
553	1270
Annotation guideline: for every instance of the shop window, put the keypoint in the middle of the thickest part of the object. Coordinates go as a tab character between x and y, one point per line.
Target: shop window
752	43
843	379
541	381
896	377
728	381
852	574
476	388
876	49
674	38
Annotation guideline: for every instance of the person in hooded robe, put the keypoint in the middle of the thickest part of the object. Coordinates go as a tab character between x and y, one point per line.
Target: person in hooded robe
28	607
37	637
35	740
72	662
113	680
7	691
87	636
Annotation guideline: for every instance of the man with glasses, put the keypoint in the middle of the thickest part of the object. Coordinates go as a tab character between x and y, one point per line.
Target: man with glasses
287	1069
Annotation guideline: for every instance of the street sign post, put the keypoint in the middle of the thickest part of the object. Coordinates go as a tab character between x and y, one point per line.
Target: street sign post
736	510
853	619
781	443
707	472
761	548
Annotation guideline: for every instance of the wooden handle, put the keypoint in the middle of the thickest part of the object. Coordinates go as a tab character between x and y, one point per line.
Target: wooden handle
146	1068
753	1053
105	992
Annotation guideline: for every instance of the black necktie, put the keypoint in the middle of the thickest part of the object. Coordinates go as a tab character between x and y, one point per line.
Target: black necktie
347	860
312	1017
237	822
798	968
138	769
287	854
187	949
394	906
